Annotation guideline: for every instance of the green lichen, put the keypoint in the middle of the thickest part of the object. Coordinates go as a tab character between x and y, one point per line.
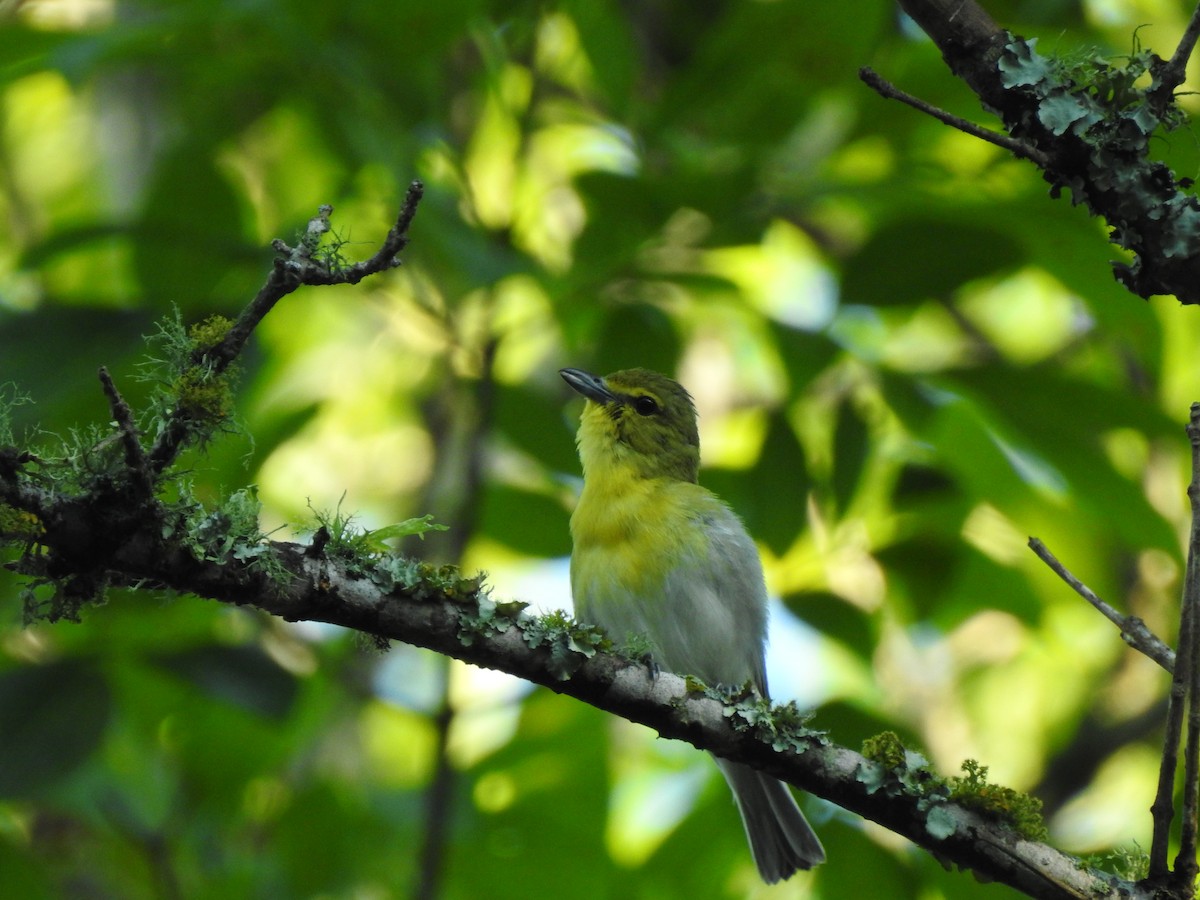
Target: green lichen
1126	863
230	531
1106	105
18	525
209	333
364	553
1019	810
192	389
886	749
329	253
639	647
896	770
570	644
66	598
10	398
204	398
783	726
1113	111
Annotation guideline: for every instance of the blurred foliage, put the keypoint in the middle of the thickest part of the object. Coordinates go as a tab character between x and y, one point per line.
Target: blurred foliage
907	358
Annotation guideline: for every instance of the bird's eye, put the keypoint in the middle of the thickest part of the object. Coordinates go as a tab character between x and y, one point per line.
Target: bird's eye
645	406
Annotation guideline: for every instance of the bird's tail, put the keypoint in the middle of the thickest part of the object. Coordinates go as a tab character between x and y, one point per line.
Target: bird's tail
781	840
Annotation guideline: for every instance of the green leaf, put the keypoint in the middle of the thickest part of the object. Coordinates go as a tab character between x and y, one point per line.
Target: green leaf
805	353
637	334
529	522
920	257
851	446
52	718
1066	425
23	877
779	487
418	526
540	424
243	676
191	215
835	618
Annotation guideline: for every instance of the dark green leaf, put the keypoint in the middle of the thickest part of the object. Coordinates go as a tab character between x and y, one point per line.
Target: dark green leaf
918	483
1065	418
921	257
779	487
528	522
52	718
242	675
805	353
23	877
538	423
637	334
192	220
851	446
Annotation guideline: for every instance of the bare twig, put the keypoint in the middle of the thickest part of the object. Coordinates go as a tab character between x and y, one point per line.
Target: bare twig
889	91
1162	811
135	457
295	266
1173	72
458	421
1185	862
1134	631
1155	225
439	798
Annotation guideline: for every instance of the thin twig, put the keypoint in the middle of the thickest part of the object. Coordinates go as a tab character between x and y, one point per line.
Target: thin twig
135	457
1162	811
1134	631
1174	71
439	798
295	266
889	91
1185	862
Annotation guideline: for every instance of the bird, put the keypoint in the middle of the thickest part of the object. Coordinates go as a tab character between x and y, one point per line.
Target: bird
659	558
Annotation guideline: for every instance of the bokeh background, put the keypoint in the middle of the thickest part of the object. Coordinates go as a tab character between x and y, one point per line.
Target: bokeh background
907	359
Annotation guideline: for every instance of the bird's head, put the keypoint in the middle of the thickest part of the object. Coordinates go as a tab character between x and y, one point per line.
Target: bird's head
639	421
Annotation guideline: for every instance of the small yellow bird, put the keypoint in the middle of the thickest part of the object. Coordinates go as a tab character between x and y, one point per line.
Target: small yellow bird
657	555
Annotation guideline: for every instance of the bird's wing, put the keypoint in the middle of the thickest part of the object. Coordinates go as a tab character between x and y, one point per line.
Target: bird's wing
716	603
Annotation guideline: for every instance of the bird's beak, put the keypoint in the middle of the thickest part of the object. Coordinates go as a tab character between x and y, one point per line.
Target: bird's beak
591	386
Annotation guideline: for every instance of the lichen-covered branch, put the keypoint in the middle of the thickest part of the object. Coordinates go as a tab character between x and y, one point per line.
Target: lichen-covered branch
305	264
394	598
1089	125
94	513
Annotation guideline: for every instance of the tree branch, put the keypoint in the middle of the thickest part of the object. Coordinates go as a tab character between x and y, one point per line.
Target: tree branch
1134	631
294	266
98	532
889	91
1172	73
1089	137
135	459
1189	650
444	612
